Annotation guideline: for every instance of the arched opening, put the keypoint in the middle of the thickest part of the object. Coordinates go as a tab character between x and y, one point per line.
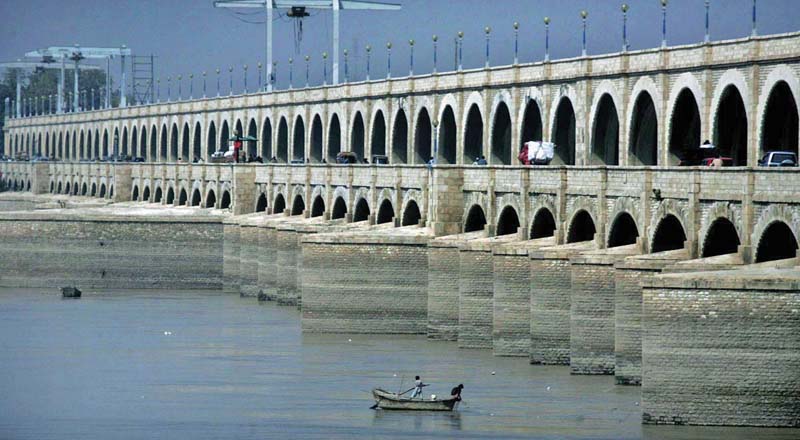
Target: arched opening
266	140
334	138
447	137
225	203
357	137
422	138
730	128
684	134
211	146
400	138
378	144
75	189
581	228
66	188
362	210
298	205
605	136
531	122
182	199
84	189
299	140
411	215
318	207
261	203
123	152
146	194
185	145
780	124
316	139
501	136
163	150
102	190
564	134
644	132
170	196
473	134
52	186
252	146
83	145
173	144
623	231
669	235
143	143
339	208
283	141
777	243
544	224
197	149
224	136
476	219
508	223
158	195
58	189
385	212
211	199
153	144
196	198
134	150
89	144
721	239
279	205
94	189
104	154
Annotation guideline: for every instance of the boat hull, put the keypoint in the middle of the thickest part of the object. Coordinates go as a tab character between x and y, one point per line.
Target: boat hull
391	401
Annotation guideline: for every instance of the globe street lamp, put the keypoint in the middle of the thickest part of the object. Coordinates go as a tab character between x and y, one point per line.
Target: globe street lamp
516	42
584	14
547	38
487	30
624	27
435	39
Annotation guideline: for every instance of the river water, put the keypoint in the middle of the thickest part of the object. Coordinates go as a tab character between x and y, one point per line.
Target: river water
189	365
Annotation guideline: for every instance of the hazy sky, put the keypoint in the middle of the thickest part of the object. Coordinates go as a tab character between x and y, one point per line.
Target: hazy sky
190	36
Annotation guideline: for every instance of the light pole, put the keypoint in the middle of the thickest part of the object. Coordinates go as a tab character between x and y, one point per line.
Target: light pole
624	27
325	68
169	89
217	81
460	47
584	14
180	87
307	59
369	49
230	80
91	106
259	76
516	42
663	23
346	74
290	72
487	30
388	60
191	86
204	84
547	38
274	77
435	39
245	79
158	90
411	58
755	31
708	35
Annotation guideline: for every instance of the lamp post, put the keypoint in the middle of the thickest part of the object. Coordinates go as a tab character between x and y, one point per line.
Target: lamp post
547	38
91	106
755	31
290	72
325	68
460	46
708	35
584	14
259	77
169	89
180	87
624	27
245	79
204	84
230	80
516	42
369	49
218	81
307	60
435	39
487	30
191	86
158	90
274	78
663	23
411	58
346	73
388	60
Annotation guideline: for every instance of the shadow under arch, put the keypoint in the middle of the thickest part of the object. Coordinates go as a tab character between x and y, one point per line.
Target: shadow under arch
476	219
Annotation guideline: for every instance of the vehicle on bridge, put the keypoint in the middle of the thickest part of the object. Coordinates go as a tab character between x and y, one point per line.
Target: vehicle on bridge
346	157
778	159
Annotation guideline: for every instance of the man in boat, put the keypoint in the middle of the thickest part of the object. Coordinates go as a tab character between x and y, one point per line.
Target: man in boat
418	387
455	393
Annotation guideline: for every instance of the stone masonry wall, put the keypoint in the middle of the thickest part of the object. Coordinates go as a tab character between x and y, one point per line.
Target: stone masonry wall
475	299
230	251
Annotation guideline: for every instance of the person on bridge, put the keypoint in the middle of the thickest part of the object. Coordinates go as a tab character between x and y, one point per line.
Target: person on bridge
237	146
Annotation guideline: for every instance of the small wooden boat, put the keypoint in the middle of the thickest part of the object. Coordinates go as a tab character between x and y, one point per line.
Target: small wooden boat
70	292
386	400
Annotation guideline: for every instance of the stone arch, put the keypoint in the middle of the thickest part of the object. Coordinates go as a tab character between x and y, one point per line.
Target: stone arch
158	194
385	212
378	132
84	189
720	238
422	136
500	130
771	214
279	205
102	193
581	226
182	197
225	201
730	114
543	223
530	118
361	211
252	146
684	120
316	139
777	242
400	137
563	131
475	220
669	234
317	206
211	145
173	143
339	208
224	136
261	203
299	139
473	127
623	230
605	125
643	130
197	199
211	199
411	214
778	128
170	195
104	154
358	135
508	221
283	140
334	137
266	139
448	137
163	150
298	205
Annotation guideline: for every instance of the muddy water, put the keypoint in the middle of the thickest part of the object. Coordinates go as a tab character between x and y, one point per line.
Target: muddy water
187	365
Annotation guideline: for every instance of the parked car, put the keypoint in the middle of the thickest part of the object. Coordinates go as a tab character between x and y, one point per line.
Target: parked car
778	159
346	157
380	159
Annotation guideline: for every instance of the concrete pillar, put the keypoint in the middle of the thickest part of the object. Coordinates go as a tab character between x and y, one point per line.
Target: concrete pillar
243	194
123	183
446	207
40	178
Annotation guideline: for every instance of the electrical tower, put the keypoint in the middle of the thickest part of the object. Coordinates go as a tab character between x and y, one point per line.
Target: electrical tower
143	76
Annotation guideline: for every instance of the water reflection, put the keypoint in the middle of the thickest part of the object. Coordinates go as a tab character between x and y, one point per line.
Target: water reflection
401	420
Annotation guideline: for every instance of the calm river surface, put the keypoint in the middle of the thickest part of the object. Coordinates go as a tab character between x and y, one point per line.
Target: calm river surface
102	367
